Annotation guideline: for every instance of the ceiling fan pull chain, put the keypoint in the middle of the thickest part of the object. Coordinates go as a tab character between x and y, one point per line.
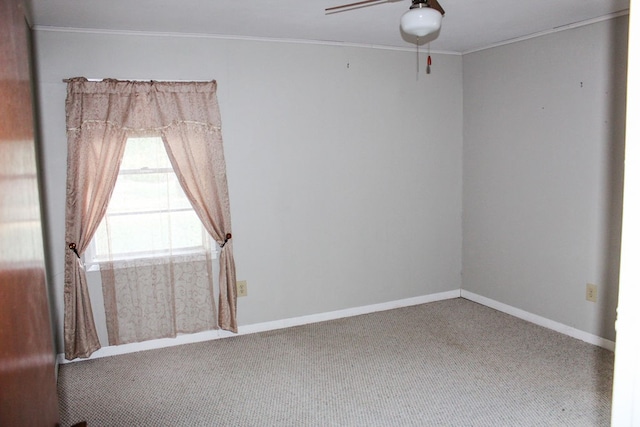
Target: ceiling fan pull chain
417	60
429	64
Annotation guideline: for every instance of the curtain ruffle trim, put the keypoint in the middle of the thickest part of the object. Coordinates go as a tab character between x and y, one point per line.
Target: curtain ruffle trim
89	124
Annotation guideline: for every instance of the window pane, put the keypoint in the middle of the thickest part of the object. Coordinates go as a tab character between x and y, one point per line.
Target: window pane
145	153
148	233
148	211
186	230
147	192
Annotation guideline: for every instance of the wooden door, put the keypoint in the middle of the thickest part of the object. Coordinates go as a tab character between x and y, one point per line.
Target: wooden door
27	360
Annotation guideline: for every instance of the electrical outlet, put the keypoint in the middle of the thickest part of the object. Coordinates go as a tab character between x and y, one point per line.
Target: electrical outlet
241	286
592	292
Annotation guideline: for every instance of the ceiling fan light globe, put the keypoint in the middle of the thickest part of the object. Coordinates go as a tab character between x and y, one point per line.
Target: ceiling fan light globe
421	21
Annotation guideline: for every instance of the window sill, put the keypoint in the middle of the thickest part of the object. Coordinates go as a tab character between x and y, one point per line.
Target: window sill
182	257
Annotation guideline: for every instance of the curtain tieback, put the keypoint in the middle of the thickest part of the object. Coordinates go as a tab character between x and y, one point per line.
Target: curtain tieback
73	247
227	238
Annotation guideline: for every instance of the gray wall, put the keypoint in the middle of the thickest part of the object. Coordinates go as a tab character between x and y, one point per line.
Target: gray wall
344	166
543	141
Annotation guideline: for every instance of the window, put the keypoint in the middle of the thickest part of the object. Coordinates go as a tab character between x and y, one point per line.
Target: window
148	214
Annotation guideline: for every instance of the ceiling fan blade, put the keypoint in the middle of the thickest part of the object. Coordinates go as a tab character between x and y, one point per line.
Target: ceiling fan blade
346	6
433	4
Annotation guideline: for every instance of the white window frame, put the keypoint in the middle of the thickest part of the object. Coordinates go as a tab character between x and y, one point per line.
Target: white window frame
92	260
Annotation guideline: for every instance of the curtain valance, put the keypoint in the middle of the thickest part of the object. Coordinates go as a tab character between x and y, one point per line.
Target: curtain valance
141	105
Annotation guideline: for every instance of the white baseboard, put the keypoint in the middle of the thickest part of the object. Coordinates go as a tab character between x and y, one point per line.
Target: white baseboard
540	321
262	327
339	314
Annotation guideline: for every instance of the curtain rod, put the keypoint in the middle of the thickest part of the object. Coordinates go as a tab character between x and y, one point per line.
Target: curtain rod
144	80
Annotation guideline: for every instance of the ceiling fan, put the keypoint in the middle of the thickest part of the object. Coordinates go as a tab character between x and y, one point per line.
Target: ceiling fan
424	17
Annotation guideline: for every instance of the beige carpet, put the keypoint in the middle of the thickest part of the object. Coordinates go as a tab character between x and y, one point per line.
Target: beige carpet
447	363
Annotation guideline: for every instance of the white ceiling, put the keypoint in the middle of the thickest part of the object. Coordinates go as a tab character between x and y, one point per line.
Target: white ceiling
467	26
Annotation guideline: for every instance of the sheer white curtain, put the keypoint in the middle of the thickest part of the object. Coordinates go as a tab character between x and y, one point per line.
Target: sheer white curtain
154	253
158	297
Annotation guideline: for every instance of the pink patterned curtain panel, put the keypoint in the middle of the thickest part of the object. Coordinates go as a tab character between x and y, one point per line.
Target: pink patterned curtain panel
100	117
